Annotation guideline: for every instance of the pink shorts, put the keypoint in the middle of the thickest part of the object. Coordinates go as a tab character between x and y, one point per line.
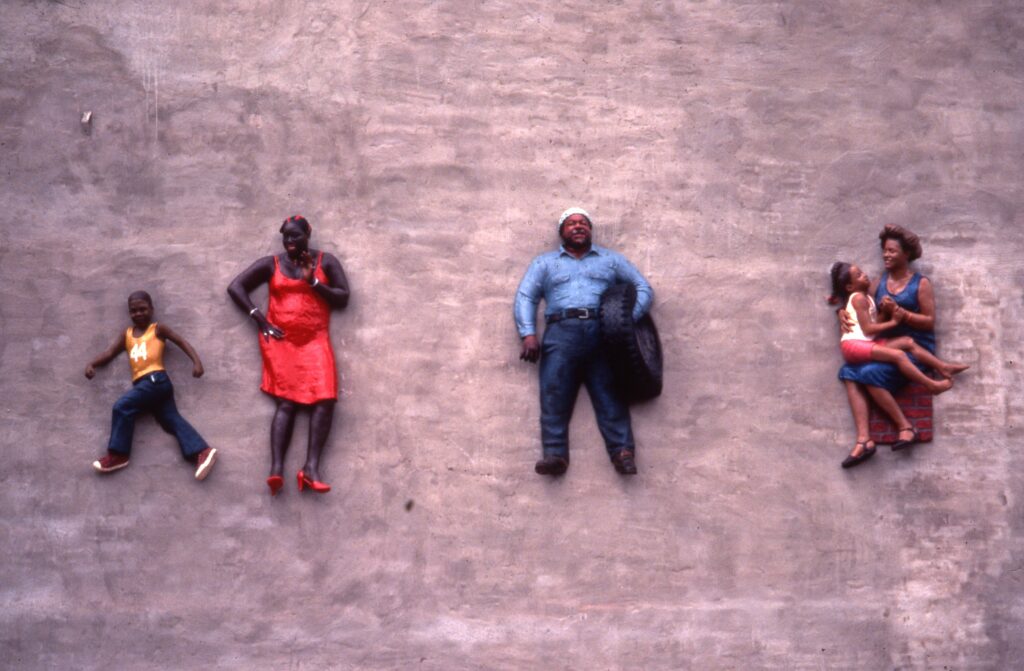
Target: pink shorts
859	351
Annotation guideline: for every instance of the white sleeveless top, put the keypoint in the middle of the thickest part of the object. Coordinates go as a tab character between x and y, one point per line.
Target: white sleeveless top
858	333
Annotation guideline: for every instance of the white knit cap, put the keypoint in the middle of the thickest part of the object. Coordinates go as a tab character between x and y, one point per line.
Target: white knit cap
571	211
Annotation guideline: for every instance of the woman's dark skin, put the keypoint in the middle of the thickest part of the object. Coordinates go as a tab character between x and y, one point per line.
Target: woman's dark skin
296	263
897	264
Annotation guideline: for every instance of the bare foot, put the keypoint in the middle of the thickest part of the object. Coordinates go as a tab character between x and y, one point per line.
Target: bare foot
939	386
951	369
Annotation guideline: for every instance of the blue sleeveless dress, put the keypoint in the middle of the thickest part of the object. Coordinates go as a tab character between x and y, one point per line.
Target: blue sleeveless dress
887	375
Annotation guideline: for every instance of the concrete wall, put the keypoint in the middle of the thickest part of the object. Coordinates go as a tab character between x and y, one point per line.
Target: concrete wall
731	149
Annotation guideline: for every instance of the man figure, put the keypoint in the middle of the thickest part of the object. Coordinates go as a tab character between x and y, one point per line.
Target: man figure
571	281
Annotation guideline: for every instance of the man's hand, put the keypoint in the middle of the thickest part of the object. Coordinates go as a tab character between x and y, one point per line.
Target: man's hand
197	370
845	321
531	349
306	266
90	371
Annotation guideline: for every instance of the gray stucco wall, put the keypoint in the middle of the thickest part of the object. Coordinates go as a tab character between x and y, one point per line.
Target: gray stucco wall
733	150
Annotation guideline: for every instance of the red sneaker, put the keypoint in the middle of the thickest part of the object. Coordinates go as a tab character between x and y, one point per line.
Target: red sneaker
110	463
204	462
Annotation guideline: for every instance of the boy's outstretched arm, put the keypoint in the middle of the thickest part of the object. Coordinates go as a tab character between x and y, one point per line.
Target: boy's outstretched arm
166	332
108	355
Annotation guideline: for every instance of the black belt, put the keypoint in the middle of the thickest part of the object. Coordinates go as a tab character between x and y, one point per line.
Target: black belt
572	313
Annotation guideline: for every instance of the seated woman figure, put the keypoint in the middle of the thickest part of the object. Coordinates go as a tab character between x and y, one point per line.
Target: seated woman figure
907	297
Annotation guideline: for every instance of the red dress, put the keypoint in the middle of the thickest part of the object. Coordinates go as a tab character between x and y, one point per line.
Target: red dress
300	366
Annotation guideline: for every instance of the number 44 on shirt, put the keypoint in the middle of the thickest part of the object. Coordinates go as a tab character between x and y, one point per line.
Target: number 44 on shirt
138	351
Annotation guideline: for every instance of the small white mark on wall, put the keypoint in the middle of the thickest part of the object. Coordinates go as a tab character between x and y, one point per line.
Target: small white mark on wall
151	85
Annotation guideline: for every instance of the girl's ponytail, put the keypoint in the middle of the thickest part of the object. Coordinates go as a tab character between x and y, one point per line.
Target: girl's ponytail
840	275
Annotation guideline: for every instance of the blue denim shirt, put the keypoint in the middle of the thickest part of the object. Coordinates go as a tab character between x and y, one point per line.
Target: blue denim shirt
564	281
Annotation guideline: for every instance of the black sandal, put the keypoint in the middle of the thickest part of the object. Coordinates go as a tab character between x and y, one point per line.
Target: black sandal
901	444
865	454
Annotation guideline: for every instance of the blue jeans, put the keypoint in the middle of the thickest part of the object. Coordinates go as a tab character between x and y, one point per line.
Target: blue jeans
572	354
152	393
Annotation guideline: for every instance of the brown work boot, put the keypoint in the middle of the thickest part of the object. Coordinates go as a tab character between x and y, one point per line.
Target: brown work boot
552	466
110	463
623	462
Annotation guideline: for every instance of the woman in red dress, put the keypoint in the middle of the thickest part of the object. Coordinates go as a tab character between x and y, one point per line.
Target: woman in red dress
298	362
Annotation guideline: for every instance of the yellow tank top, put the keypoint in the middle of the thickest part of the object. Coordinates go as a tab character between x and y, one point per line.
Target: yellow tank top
145	353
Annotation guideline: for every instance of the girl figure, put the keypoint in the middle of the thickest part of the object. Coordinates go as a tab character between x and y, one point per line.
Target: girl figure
849	285
860	345
151	390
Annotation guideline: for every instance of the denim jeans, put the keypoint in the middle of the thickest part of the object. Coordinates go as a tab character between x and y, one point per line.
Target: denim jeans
152	393
570	355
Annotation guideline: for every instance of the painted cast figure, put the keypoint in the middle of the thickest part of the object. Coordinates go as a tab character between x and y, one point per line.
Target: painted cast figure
298	361
861	344
905	297
151	390
571	281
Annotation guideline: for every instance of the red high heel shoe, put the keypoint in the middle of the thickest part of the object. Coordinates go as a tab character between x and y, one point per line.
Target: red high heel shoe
315	485
275	482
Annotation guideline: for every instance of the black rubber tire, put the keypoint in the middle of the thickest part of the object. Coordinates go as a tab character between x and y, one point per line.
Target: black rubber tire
633	348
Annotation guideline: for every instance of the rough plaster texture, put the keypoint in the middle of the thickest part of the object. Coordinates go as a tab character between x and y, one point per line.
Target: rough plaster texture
731	149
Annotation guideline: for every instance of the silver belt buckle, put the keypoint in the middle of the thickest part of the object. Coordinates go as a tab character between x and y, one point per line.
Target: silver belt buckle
585	314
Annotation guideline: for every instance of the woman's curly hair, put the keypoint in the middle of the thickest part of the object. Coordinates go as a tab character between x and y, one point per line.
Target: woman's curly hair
910	243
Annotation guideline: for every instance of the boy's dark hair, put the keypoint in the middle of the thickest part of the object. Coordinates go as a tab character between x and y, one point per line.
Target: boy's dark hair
840	274
300	220
140	296
909	243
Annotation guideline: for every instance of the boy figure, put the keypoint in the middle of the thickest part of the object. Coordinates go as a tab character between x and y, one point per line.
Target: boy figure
571	282
151	390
